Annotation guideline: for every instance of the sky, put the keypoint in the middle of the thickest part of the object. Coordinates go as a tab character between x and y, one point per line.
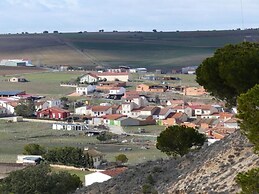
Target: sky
31	16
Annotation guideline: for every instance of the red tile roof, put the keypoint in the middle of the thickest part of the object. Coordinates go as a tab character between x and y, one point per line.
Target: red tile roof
56	109
115	171
100	108
113	116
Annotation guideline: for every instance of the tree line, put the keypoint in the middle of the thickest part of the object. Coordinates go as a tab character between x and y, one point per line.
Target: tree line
61	155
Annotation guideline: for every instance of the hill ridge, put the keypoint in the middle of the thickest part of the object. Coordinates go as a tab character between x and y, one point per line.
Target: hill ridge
209	170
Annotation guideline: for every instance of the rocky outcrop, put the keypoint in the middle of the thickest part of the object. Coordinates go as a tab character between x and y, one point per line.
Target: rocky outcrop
212	169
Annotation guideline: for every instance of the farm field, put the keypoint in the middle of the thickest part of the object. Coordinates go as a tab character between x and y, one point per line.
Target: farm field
43	83
164	50
13	137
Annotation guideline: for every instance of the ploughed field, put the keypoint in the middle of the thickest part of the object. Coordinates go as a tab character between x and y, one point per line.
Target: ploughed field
164	50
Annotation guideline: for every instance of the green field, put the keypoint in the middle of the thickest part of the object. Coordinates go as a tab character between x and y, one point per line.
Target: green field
13	137
47	84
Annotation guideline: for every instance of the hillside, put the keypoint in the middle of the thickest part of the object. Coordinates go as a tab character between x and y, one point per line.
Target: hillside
210	170
163	50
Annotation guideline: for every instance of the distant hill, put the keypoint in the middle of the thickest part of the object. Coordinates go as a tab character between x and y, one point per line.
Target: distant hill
164	50
210	170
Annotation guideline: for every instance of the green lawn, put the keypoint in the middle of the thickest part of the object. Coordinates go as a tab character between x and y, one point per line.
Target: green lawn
149	129
13	137
47	84
79	173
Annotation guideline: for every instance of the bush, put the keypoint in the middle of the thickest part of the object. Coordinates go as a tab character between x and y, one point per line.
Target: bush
249	181
39	179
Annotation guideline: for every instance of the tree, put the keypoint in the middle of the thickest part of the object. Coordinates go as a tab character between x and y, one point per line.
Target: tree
178	140
121	158
39	179
34	149
232	70
68	156
249	181
248	111
25	109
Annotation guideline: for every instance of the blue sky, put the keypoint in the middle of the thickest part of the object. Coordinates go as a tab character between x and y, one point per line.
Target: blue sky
123	15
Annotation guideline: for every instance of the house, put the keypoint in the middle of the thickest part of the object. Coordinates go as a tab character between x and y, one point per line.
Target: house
40	105
85	90
231	123
150	88
17	79
16	63
97	156
53	113
111	119
149	110
110	84
9	104
116	93
174	103
204	111
83	110
112	76
3	111
205	124
142	88
96	177
69	126
127	121
194	91
99	111
139	70
29	159
174	119
89	78
11	93
162	113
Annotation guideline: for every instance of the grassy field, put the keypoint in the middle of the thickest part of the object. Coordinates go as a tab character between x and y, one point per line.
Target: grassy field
149	129
79	173
163	50
45	83
13	137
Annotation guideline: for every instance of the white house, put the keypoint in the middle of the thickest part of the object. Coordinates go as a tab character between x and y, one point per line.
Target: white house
117	91
97	156
96	177
84	90
99	111
89	78
126	108
9	104
3	111
111	76
162	113
83	110
148	110
54	103
28	159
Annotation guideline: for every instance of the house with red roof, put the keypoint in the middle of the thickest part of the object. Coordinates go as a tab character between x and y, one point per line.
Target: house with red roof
99	111
53	113
174	119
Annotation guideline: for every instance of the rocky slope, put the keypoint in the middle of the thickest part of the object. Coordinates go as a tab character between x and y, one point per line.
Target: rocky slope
210	170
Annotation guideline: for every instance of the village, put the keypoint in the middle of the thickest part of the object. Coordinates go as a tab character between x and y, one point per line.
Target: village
119	98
